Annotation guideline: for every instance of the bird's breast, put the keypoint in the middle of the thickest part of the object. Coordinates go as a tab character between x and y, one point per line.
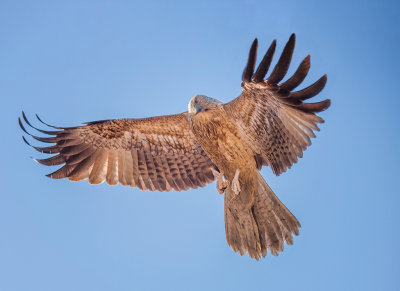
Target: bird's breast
220	139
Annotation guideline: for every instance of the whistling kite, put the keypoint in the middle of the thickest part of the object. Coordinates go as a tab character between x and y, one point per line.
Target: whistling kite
267	125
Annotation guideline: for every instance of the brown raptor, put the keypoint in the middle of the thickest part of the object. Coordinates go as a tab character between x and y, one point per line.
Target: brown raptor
267	125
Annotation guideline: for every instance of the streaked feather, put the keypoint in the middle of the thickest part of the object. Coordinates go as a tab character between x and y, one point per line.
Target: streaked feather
112	168
83	169
98	173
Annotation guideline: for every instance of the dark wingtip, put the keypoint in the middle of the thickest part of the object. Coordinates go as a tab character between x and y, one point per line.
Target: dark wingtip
311	90
265	63
52	161
299	76
26	119
284	61
24	139
292	38
28	123
22	126
273	43
47	150
42	139
49	125
316	107
251	62
37	116
327	104
292	41
324	105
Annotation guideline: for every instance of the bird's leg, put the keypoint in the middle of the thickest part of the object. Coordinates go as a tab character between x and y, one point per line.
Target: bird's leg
235	183
221	183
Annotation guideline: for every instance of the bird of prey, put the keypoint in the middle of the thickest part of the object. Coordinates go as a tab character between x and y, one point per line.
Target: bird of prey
267	125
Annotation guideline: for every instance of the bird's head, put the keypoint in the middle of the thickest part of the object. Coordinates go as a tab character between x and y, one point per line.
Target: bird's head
200	104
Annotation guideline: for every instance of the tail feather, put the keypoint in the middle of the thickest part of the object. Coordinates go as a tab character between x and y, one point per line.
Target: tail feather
268	224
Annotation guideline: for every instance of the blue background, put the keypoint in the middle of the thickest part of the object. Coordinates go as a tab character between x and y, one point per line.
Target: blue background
77	61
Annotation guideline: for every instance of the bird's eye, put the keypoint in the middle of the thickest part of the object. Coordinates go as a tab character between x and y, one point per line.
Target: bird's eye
195	101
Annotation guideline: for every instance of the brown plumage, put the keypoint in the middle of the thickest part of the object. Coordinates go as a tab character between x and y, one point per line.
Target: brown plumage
266	125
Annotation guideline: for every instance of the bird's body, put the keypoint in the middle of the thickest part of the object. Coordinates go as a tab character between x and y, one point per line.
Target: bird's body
220	138
225	143
267	125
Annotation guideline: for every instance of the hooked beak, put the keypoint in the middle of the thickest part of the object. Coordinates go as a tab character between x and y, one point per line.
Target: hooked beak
198	108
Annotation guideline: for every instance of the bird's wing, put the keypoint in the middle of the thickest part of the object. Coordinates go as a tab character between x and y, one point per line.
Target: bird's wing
158	153
276	122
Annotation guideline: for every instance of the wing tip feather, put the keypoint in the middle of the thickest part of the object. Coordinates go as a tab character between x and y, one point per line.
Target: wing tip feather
251	61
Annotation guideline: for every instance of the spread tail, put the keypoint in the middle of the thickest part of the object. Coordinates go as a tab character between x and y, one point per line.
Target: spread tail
267	224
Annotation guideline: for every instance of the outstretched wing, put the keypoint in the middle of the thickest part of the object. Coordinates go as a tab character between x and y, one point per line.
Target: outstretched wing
276	122
158	153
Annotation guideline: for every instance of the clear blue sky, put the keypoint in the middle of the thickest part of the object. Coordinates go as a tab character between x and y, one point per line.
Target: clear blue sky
79	61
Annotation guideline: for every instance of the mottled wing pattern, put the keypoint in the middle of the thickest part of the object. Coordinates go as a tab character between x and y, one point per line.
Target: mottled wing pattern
276	122
158	153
